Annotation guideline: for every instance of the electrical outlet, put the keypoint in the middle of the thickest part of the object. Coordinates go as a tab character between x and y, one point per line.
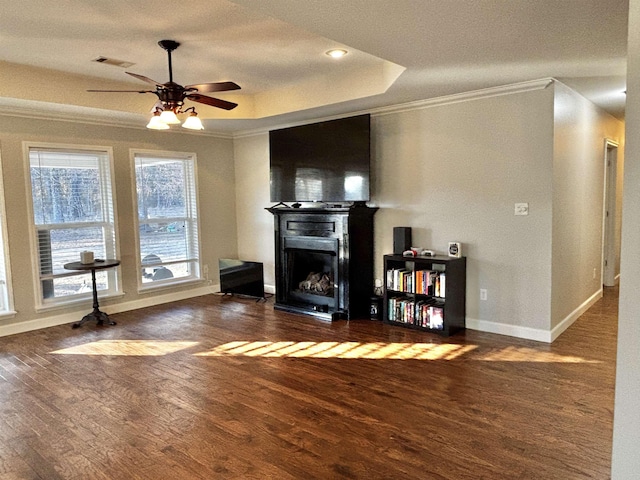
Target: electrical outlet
205	271
521	209
594	273
483	294
378	283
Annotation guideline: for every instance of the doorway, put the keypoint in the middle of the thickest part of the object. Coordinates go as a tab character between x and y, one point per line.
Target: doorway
610	243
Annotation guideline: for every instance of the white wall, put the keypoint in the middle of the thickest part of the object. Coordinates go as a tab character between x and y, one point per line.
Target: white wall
216	196
452	172
626	425
580	132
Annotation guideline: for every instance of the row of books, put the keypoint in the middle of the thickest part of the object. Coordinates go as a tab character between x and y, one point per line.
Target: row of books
423	282
424	313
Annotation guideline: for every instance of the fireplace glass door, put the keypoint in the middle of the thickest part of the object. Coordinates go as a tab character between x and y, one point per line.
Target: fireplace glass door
312	270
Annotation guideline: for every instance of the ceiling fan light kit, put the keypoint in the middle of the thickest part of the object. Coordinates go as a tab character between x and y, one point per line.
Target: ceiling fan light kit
156	122
169	117
171	96
193	122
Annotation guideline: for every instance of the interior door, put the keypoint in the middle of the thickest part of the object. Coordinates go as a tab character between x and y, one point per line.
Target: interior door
610	249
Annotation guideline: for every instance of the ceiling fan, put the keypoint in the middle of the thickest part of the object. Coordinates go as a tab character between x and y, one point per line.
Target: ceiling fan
171	95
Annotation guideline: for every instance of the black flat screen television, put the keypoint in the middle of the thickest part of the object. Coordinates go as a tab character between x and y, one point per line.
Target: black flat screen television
241	277
321	162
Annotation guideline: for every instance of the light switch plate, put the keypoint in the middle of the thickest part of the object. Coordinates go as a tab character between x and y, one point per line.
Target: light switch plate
521	209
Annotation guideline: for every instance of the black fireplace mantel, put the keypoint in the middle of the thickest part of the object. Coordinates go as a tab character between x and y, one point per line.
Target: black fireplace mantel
337	240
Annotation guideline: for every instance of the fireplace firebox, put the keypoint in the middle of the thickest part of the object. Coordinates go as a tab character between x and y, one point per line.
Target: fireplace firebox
324	260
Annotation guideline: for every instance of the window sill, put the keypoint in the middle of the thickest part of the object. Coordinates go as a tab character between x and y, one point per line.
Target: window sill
157	286
8	314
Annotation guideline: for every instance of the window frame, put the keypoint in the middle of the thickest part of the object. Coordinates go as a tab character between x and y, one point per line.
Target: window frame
196	276
6	297
114	275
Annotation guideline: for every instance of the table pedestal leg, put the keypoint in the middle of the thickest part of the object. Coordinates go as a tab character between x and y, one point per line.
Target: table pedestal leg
100	317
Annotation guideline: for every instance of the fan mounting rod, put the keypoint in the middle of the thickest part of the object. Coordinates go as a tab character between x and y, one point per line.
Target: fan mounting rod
169	46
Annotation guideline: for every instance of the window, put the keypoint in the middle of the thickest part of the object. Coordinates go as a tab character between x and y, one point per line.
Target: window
72	206
6	299
167	218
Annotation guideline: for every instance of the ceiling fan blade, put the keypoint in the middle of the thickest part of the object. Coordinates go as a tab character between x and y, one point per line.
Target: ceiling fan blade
214	87
143	78
123	91
214	102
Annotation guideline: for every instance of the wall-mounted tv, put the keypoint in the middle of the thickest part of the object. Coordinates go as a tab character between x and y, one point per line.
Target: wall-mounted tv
321	162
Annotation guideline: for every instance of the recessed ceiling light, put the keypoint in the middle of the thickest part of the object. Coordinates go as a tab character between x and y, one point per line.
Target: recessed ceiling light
336	53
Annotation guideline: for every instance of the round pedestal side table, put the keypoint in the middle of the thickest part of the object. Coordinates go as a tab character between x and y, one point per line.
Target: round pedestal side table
96	314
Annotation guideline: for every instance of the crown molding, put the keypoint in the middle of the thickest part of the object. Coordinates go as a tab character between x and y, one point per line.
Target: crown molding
473	95
95	116
490	92
33	109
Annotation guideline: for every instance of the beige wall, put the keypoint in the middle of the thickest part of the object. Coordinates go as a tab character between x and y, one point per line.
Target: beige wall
626	425
453	173
255	224
578	195
216	196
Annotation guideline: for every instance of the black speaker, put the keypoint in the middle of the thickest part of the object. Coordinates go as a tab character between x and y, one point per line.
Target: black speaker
401	239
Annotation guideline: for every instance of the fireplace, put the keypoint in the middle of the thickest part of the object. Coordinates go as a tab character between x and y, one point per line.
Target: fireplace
312	270
324	261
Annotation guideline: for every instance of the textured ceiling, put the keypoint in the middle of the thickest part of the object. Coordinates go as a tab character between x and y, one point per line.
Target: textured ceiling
400	51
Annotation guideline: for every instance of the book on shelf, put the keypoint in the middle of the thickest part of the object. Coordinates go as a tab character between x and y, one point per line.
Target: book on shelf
401	280
423	282
401	310
429	314
436	319
439	284
426	313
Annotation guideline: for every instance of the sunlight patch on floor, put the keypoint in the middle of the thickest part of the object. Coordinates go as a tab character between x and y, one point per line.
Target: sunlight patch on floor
392	351
523	354
372	350
346	350
140	348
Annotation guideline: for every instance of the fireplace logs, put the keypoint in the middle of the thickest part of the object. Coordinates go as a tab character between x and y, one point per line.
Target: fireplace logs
317	284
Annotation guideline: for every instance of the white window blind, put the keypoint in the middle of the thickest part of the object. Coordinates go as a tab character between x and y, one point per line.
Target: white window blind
167	218
72	211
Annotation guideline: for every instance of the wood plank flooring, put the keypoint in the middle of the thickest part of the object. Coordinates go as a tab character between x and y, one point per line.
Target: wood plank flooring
217	387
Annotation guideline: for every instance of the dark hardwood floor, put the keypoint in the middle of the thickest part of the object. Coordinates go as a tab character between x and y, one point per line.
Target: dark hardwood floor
217	387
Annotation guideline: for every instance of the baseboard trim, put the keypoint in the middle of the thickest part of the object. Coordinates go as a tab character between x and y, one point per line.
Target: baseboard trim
517	331
573	316
527	333
70	317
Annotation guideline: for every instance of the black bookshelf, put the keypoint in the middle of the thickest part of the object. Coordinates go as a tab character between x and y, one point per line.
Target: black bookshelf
425	293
